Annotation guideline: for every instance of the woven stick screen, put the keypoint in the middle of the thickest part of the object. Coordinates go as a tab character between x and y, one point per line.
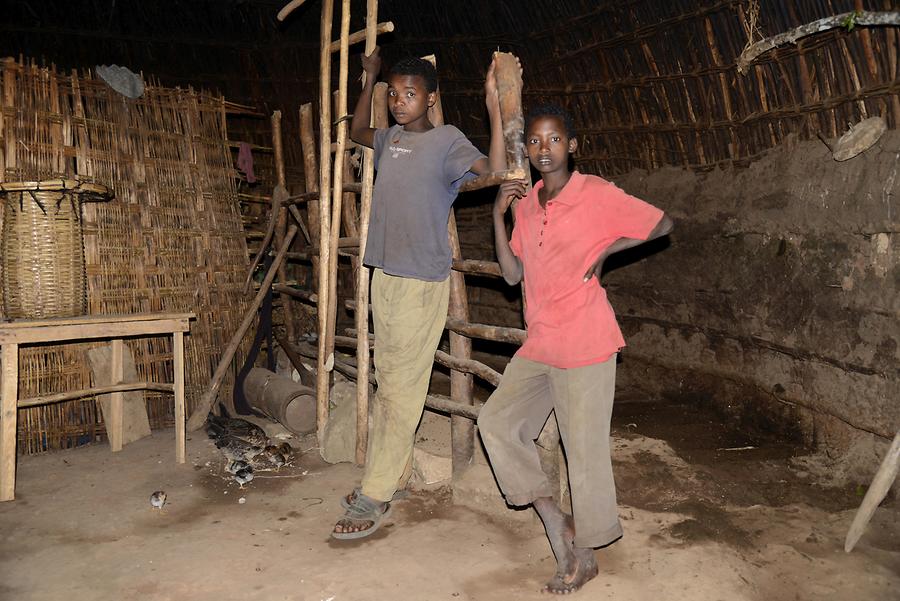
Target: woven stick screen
170	240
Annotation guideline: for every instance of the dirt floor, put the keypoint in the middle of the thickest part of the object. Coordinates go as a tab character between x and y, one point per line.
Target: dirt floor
709	514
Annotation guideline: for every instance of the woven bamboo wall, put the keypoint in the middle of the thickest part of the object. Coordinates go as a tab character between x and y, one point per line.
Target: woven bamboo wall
171	240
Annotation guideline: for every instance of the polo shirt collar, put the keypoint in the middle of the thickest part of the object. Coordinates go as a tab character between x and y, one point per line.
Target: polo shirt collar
571	192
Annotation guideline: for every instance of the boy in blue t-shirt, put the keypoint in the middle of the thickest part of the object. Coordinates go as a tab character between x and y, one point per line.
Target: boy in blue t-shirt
420	168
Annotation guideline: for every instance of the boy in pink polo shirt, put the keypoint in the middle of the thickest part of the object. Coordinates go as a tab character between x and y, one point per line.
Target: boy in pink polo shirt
565	228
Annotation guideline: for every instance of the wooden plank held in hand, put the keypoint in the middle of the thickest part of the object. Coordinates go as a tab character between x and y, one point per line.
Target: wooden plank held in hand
209	397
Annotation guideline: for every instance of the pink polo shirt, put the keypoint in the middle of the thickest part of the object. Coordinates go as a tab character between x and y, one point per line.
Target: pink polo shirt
570	322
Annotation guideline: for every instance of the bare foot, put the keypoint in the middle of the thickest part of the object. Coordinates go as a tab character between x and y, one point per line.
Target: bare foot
574	565
585	569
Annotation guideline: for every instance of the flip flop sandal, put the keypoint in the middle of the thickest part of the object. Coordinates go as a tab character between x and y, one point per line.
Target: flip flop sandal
398	496
364	509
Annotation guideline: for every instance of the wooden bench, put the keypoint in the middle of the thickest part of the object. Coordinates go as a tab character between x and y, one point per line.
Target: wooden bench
95	327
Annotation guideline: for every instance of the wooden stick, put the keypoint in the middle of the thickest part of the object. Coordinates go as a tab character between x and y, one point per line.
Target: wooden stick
322	377
311	173
364	34
486	332
178	389
439	402
206	401
337	183
288	9
278	196
864	18
470	366
296	293
281	211
59	397
881	484
8	393
115	424
378	119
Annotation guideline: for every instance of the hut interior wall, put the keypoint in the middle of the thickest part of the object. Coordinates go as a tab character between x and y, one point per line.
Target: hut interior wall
170	240
656	96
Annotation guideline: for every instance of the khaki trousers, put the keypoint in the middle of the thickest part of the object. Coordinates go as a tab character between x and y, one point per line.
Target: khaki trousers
408	317
513	417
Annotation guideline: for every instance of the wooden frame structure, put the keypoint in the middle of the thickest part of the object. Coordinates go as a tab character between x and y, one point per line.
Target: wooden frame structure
336	208
97	327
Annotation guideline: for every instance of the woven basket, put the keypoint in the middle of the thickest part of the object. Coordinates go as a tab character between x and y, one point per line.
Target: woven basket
43	249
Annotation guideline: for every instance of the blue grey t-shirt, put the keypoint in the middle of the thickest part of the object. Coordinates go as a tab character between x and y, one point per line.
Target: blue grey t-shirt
419	174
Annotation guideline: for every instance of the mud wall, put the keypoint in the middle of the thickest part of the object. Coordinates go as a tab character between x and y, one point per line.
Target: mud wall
776	297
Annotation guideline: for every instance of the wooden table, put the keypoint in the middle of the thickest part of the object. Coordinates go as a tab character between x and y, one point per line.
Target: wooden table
95	327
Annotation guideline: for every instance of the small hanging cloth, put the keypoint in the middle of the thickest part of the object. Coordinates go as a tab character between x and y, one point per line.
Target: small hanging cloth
245	162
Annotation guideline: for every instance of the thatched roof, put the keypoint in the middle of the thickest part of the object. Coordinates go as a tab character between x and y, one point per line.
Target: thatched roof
650	83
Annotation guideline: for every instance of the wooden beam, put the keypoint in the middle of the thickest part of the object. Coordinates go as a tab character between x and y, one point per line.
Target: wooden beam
486	332
848	20
439	402
358	36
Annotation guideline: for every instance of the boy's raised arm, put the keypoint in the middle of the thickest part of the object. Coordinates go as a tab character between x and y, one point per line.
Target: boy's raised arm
360	132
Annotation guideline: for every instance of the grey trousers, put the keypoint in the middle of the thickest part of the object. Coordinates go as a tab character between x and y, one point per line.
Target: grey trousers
513	417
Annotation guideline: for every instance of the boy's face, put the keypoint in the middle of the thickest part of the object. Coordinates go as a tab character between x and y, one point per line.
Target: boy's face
409	101
548	145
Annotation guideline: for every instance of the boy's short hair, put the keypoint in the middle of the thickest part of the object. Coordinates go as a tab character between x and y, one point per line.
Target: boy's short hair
551	110
414	65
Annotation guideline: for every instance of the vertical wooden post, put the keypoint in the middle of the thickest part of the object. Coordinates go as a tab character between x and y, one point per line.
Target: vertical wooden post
349	212
9	394
338	184
115	425
281	224
462	429
311	173
322	375
362	275
178	373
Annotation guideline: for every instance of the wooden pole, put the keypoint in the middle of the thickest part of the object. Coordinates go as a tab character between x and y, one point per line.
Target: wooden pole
322	376
337	185
178	389
281	226
462	430
881	484
311	173
363	34
378	119
206	401
115	421
9	392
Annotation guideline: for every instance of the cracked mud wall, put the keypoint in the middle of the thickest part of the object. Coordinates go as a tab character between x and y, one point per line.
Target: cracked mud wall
776	297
